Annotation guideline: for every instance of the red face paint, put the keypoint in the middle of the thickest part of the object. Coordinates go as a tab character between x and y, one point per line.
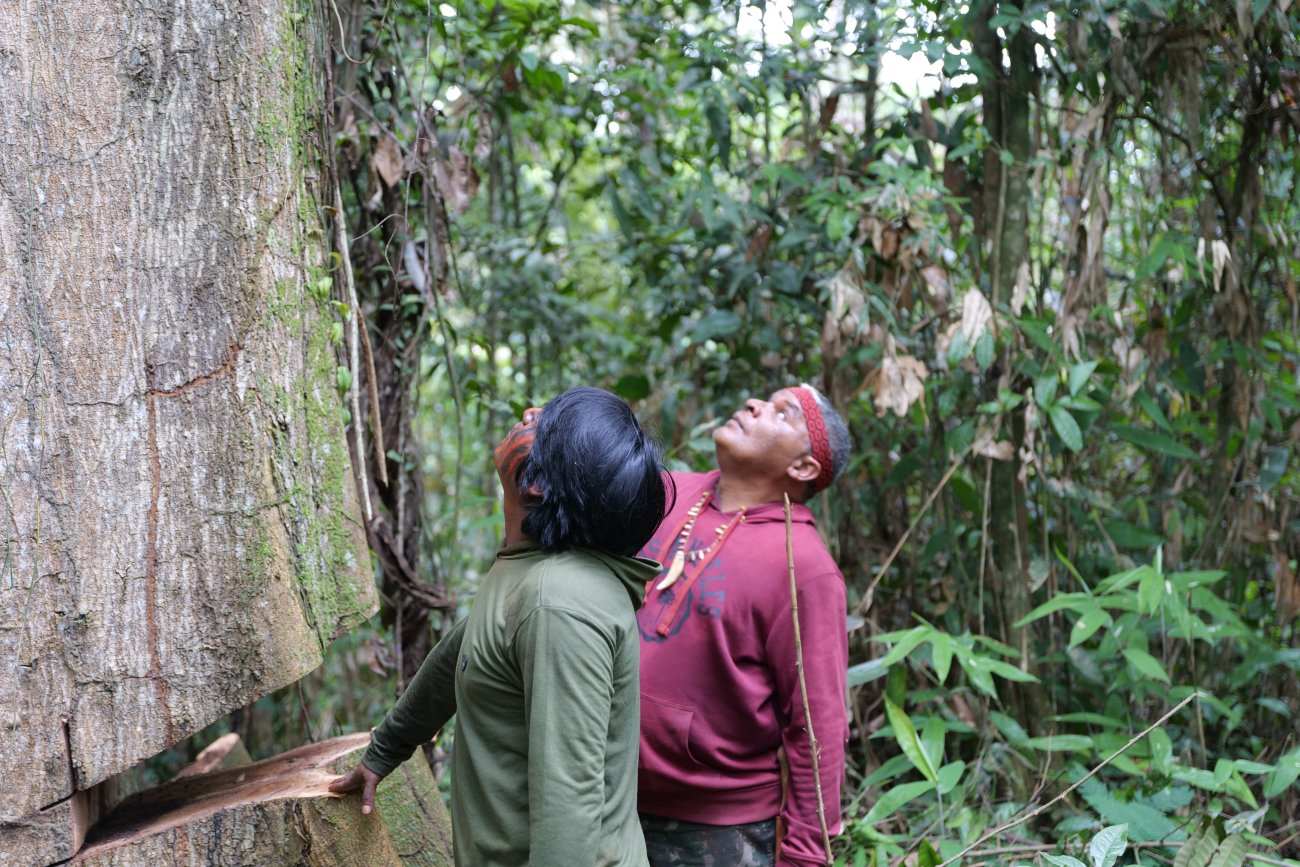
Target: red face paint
515	447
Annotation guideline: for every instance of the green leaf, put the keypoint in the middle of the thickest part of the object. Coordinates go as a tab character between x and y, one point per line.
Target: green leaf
893	799
1063	861
932	737
1152	441
1045	390
1105	848
909	641
1127	535
1079	374
1284	776
1162	751
905	734
1153	411
865	672
719	323
1010	672
1151	591
941	654
1145	823
1145	664
977	670
1066	428
1059	743
984	350
1231	852
344	377
1092	620
950	776
1273	467
1071	601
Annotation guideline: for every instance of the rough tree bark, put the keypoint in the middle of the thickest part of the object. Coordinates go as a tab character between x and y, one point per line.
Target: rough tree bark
178	531
277	811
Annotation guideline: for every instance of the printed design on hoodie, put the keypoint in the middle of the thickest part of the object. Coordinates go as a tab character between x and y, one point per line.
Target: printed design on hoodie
704	597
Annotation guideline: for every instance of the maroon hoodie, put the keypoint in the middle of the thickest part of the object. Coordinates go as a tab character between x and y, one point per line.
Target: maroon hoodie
719	687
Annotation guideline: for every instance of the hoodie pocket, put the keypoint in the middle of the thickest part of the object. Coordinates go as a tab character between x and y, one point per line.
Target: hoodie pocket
666	734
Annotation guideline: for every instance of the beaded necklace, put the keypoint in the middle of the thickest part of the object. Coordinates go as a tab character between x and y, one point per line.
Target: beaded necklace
700	556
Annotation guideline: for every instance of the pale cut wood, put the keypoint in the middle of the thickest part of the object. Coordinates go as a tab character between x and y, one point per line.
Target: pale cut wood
278	811
227	751
178	528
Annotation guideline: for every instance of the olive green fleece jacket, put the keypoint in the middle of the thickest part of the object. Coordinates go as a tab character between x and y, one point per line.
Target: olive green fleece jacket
544	678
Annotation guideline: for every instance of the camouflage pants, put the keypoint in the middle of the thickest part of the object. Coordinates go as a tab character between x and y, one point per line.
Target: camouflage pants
673	843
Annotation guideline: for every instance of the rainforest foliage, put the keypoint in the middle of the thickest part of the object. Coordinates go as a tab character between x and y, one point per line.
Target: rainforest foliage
1043	257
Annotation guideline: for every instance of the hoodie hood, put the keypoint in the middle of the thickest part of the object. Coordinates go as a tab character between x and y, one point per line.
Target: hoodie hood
634	573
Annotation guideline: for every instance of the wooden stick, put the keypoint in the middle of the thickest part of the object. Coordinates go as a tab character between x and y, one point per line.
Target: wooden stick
354	341
813	746
1031	814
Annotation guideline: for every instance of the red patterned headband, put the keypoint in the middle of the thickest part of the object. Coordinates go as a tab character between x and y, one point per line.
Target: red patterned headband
818	440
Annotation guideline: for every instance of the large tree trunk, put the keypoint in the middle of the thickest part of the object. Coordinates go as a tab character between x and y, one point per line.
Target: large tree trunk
179	530
278	811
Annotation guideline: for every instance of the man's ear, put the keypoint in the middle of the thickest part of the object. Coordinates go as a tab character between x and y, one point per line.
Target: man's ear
804	468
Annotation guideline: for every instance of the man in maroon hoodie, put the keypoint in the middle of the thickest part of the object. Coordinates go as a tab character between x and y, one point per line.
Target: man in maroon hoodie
720	695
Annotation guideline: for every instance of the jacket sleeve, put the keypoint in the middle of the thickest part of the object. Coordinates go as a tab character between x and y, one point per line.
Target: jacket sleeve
425	707
567	665
825	657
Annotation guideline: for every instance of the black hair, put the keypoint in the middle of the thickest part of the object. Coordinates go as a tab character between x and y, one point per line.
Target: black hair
594	477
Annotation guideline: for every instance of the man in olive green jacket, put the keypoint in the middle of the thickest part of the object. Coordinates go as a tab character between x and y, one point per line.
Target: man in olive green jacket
543	673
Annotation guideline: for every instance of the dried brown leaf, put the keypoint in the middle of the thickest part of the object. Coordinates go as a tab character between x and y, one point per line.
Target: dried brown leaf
387	160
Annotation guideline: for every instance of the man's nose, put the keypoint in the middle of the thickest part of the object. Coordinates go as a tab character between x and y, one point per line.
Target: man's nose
754	406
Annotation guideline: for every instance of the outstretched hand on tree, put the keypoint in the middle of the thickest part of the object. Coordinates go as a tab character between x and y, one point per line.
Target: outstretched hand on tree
361	778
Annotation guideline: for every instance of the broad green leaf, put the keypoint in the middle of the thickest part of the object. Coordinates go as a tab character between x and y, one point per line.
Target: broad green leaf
1231	852
1063	861
1079	374
1153	442
1151	591
1162	750
1105	848
977	670
1009	728
1092	620
715	325
1045	389
1096	719
894	766
1059	743
1273	467
865	672
950	776
932	736
905	734
984	350
926	856
1010	672
893	799
1127	535
909	641
1120	580
1246	766
1072	601
1153	411
1066	428
941	654
1145	664
1288	770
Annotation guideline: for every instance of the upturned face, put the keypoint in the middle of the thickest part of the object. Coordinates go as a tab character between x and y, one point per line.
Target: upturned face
768	434
515	447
